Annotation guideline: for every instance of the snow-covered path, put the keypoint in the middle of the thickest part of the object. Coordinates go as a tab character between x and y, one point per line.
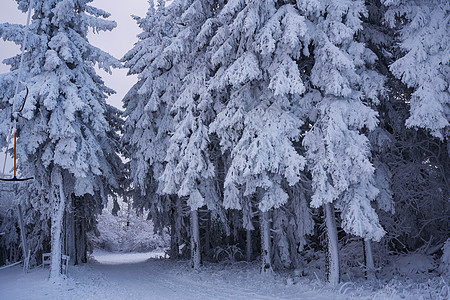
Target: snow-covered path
135	276
132	276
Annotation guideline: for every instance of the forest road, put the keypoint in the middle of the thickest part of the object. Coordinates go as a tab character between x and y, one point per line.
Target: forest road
139	276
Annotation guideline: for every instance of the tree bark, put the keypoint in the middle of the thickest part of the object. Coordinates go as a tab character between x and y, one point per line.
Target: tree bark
26	258
333	251
195	240
207	246
174	247
71	236
56	231
82	245
266	264
368	257
248	252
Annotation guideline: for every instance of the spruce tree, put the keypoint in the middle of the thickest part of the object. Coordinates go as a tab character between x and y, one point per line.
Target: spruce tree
168	112
190	170
423	28
255	52
410	162
68	134
341	89
148	120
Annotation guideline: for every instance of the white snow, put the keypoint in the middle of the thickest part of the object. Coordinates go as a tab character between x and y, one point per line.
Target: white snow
117	258
142	276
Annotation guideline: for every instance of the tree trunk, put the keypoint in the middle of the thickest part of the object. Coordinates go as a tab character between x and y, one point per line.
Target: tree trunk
56	230
207	246
26	258
235	231
368	260
82	242
195	240
333	252
174	247
77	235
248	250
71	236
266	265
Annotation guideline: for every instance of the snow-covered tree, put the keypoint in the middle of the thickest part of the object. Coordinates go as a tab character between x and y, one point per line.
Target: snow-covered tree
255	52
416	167
9	237
169	109
338	152
281	65
423	31
292	223
147	112
409	162
147	104
190	171
68	134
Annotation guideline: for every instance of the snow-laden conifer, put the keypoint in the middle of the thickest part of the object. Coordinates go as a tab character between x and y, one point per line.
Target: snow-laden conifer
423	31
67	132
254	51
169	109
190	171
147	110
338	152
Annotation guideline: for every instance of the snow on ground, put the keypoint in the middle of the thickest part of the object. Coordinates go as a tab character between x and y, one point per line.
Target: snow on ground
145	276
118	258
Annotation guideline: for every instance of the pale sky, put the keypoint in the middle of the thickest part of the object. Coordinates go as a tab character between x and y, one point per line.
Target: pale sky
116	42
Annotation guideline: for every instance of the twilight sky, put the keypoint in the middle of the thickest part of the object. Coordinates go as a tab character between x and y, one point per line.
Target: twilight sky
116	42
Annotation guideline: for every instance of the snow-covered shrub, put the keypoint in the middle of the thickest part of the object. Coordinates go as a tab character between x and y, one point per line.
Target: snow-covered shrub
445	259
228	254
352	263
9	241
414	263
313	264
